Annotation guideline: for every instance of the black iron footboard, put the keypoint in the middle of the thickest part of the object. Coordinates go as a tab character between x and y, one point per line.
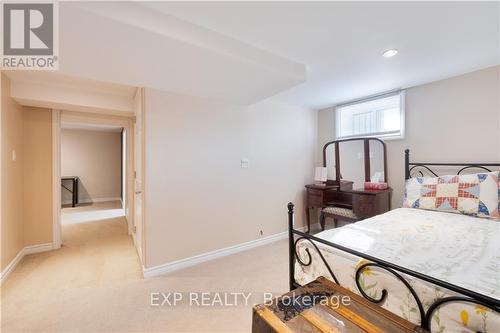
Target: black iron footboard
464	295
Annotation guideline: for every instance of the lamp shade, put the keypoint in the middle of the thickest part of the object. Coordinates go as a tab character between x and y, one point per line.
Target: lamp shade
320	175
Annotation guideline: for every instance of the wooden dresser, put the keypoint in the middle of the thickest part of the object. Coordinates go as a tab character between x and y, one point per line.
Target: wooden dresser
363	203
323	306
341	201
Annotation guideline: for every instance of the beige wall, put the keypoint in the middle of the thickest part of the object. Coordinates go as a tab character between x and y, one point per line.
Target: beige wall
12	176
95	157
37	194
26	200
453	120
198	198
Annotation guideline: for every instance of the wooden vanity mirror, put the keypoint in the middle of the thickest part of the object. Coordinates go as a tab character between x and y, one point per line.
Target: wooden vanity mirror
357	160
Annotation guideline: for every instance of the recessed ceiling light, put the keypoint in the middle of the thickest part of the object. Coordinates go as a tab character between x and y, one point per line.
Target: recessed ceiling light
390	53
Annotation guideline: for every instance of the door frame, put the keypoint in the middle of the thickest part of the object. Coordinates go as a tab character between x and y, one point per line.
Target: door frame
58	116
139	111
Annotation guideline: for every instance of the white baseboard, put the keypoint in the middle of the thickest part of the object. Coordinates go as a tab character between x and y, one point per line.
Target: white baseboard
11	266
198	259
20	255
68	202
38	248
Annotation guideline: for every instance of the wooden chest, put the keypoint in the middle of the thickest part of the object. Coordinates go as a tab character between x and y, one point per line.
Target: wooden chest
323	306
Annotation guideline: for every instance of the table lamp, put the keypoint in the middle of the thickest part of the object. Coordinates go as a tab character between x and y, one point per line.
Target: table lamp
320	175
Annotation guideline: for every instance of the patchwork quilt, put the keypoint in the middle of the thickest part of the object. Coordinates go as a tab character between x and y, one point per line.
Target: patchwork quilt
473	194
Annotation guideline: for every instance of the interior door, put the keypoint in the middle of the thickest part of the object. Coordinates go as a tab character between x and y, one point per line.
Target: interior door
138	186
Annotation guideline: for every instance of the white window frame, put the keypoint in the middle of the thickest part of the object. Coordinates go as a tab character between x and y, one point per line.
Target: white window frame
398	136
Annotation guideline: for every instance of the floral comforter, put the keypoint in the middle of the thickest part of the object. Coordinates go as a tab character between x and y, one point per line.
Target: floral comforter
458	249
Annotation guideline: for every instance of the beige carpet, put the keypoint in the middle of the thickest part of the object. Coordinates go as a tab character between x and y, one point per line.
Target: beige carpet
93	284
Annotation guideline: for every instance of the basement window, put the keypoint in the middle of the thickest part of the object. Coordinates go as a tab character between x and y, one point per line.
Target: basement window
380	116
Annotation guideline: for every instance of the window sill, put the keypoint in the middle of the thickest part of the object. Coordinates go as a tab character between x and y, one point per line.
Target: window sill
383	138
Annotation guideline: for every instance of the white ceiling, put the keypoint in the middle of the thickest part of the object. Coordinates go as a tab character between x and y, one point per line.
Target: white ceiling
130	44
77	83
244	52
341	43
50	89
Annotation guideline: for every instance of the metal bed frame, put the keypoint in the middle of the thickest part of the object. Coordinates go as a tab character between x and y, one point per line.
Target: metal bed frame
465	295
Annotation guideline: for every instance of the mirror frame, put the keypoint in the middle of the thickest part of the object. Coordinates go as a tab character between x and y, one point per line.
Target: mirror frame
366	142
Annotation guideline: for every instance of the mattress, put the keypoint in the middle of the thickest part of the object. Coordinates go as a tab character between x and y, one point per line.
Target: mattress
455	248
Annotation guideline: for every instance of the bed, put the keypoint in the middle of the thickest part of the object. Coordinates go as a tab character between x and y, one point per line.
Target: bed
440	270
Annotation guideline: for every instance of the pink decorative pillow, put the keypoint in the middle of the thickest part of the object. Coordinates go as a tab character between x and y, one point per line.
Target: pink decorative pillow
475	194
375	186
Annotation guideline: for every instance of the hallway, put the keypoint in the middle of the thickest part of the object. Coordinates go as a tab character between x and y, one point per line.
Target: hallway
95	254
94	284
85	213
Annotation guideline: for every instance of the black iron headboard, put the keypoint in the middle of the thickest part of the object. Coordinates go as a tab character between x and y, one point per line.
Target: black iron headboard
410	166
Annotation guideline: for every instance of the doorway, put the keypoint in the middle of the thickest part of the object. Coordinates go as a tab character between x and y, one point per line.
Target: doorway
93	174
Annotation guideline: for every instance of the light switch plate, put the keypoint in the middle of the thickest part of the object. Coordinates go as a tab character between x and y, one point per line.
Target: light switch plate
245	163
14	155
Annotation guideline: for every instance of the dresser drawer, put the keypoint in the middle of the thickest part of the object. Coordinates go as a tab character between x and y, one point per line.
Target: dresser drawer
314	198
364	205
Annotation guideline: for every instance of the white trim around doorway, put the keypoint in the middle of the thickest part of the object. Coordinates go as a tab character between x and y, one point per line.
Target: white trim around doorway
56	179
58	116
